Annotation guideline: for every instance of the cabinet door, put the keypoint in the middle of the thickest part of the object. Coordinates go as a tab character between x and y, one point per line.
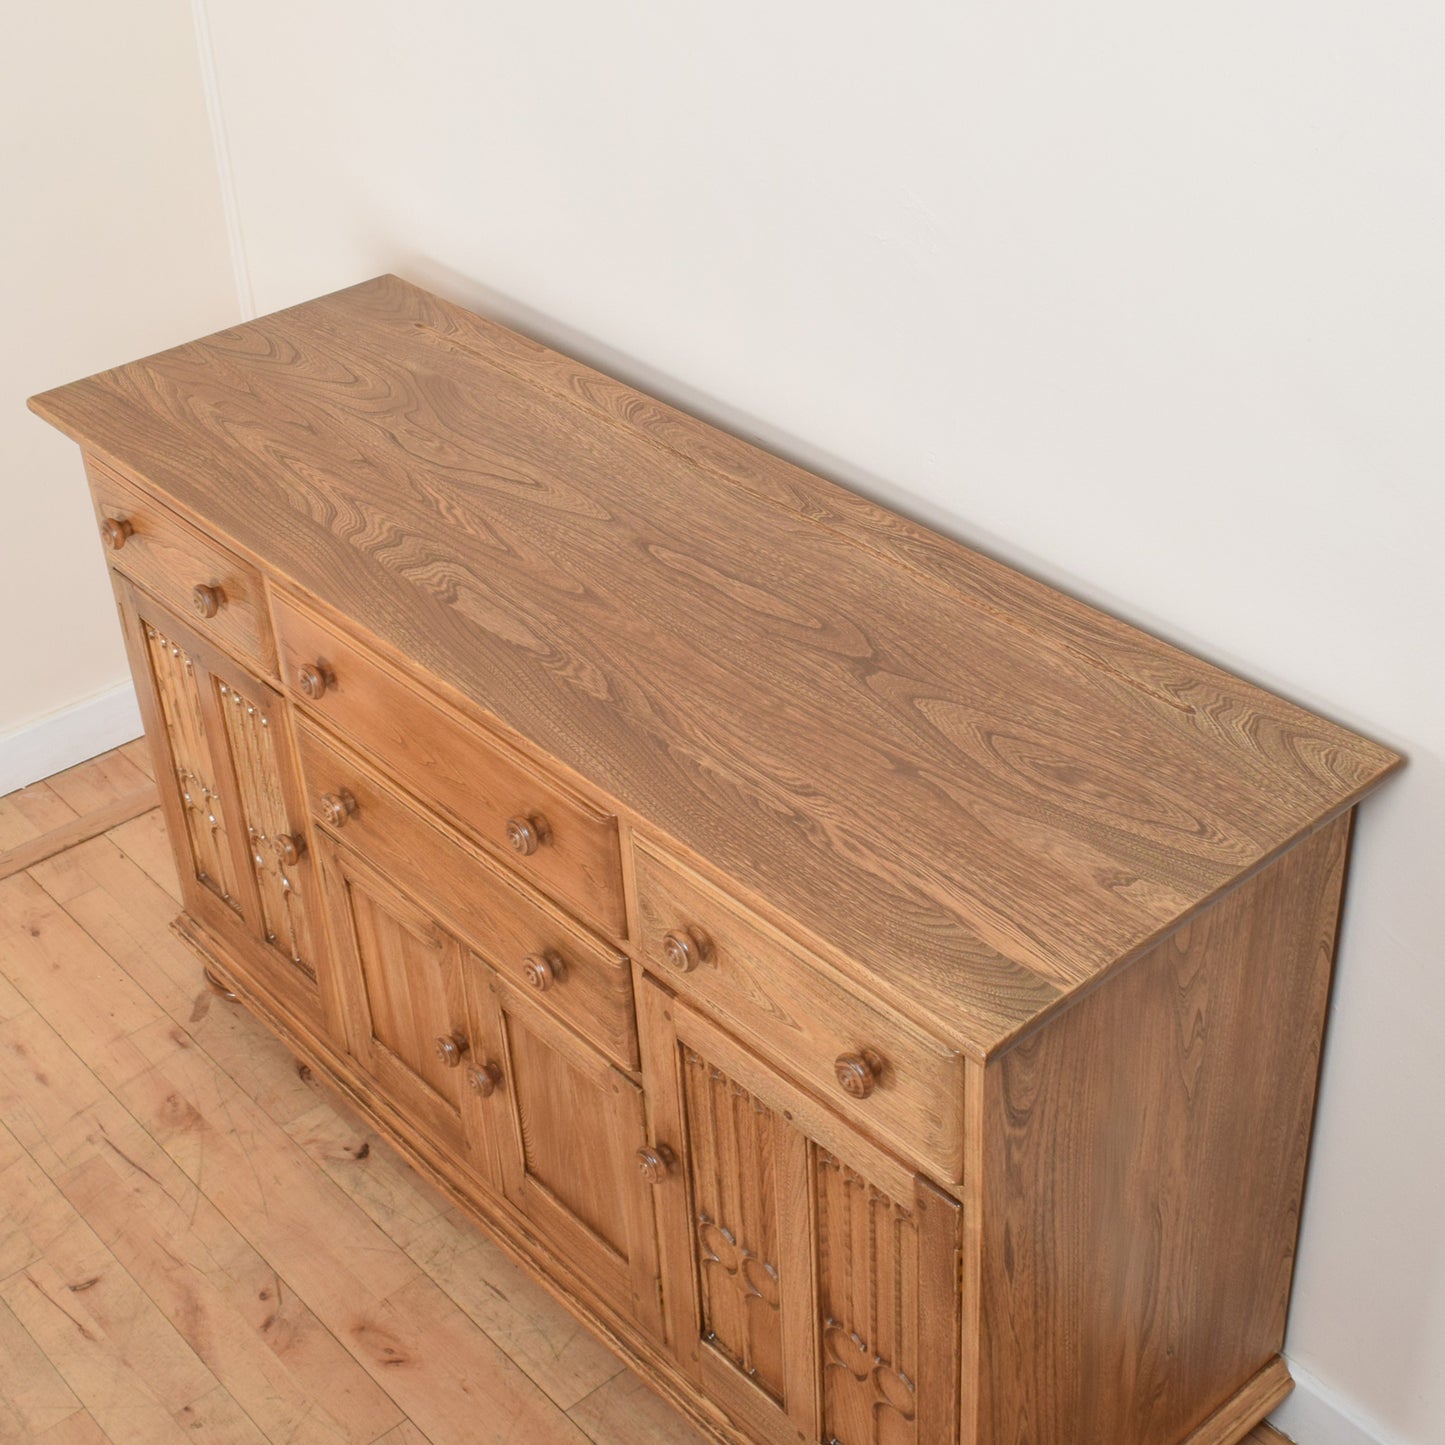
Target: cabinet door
229	788
568	1128
401	983
810	1279
205	842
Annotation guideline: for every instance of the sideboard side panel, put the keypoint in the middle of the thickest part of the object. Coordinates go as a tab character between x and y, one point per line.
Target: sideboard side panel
1144	1169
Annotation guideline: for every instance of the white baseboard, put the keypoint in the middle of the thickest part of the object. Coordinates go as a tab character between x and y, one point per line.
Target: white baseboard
68	737
1315	1415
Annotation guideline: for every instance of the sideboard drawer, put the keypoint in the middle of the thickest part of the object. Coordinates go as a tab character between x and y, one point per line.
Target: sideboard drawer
215	590
490	792
873	1067
571	974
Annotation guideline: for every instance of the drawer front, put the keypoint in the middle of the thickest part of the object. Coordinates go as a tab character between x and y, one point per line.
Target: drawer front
874	1068
215	591
549	835
569	973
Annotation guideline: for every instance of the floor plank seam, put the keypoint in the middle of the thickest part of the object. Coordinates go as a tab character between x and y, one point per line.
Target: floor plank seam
25	856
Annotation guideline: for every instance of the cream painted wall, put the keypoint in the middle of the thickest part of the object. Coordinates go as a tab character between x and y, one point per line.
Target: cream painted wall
112	245
1146	299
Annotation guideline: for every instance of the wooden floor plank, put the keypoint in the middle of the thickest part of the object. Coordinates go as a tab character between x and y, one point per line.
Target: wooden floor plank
45	1093
626	1411
88	825
143	840
431	1359
531	1327
106	1304
29	812
99	781
12	1001
405	1434
128	915
118	1355
77	1429
64	975
230	1298
119	1399
31	1388
151	1235
138	750
74	1120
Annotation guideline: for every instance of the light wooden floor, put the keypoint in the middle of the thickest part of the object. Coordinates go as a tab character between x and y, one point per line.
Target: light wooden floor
196	1241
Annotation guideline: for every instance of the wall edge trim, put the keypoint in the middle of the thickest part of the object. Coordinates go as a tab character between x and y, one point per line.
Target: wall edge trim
69	736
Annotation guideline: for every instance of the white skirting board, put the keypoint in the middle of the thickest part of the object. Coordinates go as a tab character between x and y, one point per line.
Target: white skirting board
69	736
1314	1415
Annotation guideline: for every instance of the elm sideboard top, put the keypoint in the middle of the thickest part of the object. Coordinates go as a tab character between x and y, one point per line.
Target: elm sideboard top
974	789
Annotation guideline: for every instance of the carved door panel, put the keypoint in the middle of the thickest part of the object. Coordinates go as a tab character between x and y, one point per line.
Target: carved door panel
205	844
887	1308
401	982
568	1127
229	788
808	1277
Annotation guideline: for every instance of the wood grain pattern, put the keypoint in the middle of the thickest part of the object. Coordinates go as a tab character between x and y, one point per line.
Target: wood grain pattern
564	563
1259	1396
1118	1298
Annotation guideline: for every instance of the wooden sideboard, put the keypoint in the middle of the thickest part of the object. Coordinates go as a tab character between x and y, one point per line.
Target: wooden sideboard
881	995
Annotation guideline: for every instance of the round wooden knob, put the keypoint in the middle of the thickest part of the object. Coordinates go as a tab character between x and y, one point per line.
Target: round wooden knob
685	948
542	970
313	678
483	1079
114	531
450	1048
206	599
654	1164
858	1074
336	808
526	835
289	848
